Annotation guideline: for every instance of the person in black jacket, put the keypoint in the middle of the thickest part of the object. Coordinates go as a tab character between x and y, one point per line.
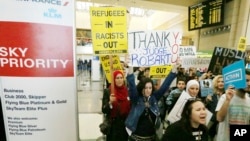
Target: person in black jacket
2	129
191	126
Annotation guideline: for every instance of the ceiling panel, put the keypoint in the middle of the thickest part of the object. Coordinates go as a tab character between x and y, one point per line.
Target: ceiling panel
177	7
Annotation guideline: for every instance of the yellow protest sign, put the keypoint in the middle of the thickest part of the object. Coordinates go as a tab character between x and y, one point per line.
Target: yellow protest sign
109	30
242	44
157	72
105	60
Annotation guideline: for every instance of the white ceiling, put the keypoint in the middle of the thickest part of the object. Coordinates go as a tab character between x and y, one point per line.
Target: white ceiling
166	12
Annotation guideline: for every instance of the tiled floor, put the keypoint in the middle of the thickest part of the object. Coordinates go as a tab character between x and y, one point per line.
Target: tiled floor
89	107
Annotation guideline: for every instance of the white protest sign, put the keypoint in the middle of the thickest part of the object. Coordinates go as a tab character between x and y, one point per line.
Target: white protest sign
187	52
175	113
152	48
195	62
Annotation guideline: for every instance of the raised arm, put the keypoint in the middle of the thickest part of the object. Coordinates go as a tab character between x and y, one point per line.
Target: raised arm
222	112
133	94
166	83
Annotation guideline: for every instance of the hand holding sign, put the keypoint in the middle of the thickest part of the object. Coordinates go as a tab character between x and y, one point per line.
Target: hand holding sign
176	66
230	92
127	62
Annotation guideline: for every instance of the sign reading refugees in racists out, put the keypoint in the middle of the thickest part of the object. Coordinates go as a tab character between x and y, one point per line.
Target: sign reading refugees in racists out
223	57
109	30
157	72
152	48
116	65
187	52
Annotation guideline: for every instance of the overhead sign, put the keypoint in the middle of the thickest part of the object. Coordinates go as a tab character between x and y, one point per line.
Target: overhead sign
109	30
206	14
235	75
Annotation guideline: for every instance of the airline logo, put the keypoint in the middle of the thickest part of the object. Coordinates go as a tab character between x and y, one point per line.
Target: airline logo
52	2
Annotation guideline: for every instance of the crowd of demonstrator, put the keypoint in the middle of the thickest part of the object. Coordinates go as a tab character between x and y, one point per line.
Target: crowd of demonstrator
131	103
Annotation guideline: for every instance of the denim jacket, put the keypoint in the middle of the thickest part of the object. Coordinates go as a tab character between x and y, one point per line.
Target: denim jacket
138	105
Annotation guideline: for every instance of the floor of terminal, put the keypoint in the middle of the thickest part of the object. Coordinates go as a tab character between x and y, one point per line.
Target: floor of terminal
89	108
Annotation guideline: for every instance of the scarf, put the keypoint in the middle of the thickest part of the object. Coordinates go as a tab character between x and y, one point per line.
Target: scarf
121	106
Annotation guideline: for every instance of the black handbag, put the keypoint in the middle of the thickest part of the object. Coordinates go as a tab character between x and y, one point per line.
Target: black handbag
105	126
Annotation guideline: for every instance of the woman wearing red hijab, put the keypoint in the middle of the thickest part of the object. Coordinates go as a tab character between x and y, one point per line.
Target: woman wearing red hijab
116	106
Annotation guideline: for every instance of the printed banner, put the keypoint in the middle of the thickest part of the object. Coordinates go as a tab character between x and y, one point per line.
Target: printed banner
38	87
223	57
158	72
154	48
109	30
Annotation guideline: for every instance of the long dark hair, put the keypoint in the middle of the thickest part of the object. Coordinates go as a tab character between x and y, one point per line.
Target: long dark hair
186	113
142	83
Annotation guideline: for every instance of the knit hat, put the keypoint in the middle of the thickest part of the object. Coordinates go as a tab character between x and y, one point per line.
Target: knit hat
190	83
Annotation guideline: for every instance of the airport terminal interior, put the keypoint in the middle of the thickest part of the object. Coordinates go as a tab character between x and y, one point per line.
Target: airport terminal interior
90	92
144	15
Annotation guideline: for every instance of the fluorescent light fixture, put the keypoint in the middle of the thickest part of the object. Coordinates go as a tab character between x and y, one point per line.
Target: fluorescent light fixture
133	11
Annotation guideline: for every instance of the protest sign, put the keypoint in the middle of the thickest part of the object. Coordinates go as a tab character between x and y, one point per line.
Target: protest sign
157	72
153	48
109	30
206	87
223	57
106	65
242	44
187	52
175	113
235	75
195	62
